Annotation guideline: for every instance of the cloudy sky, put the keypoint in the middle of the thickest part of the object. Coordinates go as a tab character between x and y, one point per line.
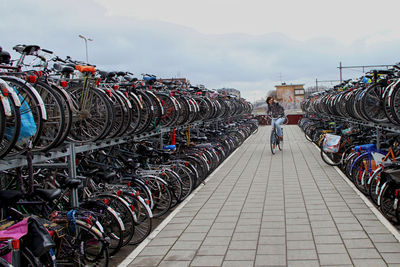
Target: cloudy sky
249	45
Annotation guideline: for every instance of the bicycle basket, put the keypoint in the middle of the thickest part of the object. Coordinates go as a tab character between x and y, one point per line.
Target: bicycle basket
331	143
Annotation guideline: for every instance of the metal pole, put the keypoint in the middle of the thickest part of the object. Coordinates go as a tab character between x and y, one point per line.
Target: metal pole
316	84
86	46
340	71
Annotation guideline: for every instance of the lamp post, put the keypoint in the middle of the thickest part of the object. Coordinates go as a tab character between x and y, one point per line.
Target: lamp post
86	41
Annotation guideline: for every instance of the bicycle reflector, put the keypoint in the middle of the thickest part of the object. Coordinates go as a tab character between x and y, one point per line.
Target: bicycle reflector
32	78
15	244
5	92
39	73
119	192
64	84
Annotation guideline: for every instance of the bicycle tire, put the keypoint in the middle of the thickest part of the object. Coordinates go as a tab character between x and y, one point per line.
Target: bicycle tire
94	123
12	127
34	105
332	159
372	104
386	200
124	211
112	225
143	222
54	126
272	142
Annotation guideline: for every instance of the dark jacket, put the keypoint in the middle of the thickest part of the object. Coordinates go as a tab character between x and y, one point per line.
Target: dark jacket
276	110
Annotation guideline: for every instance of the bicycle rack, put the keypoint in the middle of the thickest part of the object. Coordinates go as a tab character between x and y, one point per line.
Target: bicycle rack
70	149
379	127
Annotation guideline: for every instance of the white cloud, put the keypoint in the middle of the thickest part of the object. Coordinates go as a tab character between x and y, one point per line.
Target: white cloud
343	20
251	47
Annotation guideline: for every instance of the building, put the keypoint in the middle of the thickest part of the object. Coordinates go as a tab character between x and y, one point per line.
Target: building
290	95
230	91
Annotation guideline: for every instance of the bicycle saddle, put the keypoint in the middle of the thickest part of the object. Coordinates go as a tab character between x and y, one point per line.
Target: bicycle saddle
9	197
48	194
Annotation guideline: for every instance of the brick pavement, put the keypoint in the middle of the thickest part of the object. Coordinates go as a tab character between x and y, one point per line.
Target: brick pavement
258	209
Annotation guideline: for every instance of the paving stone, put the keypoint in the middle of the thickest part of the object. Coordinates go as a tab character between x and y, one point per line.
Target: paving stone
300	244
240	255
245	236
207	261
334	259
358	243
299	236
302	254
193	236
388	247
174	264
183	244
211	250
271	240
154	251
180	255
146	261
369	262
392	258
237	263
216	240
162	241
270	260
303	263
271	249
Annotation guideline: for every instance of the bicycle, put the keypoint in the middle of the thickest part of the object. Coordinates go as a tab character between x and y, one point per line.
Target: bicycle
275	140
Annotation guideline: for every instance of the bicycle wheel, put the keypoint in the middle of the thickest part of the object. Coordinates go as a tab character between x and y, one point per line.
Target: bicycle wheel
161	193
143	222
2	116
171	110
186	178
12	125
174	184
54	126
112	224
67	104
136	111
92	122
85	247
32	112
372	104
280	143
374	185
124	211
387	199
147	112
272	142
331	158
360	172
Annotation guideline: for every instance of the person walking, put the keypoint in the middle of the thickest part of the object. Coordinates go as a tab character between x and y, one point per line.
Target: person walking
277	113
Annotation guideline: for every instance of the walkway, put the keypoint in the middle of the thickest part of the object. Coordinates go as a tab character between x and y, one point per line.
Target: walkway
290	209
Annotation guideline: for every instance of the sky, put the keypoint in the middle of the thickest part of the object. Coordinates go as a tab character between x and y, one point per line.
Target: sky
249	45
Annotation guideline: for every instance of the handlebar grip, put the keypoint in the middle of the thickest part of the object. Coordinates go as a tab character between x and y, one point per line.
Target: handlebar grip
47	51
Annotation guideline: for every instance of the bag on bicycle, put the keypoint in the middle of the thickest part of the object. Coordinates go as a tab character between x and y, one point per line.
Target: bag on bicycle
331	143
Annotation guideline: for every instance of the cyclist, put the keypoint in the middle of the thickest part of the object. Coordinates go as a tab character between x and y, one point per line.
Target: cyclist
277	113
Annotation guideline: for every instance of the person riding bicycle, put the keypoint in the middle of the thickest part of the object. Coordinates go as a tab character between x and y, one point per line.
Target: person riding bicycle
277	113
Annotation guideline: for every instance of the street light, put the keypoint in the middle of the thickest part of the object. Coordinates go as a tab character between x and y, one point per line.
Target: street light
86	40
